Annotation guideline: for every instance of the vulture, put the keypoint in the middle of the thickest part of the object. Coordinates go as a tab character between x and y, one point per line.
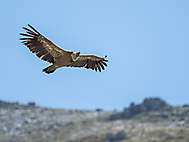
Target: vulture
57	57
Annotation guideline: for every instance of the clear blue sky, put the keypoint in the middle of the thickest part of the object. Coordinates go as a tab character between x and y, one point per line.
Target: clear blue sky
147	43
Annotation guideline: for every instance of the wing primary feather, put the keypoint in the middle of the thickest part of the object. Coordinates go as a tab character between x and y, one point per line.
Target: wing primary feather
27	43
104	63
26	35
32	33
101	65
95	67
28	30
98	66
92	66
25	38
33	29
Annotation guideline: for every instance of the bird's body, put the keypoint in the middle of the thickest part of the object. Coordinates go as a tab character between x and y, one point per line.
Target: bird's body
48	51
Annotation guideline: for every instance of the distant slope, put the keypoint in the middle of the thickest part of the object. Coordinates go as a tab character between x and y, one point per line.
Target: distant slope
151	121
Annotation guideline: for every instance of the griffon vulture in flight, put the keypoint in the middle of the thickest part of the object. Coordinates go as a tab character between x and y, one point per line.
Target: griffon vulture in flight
48	51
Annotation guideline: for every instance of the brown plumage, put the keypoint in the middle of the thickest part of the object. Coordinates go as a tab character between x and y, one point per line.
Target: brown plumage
48	51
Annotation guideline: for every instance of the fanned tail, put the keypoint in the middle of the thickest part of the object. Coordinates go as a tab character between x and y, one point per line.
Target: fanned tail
49	69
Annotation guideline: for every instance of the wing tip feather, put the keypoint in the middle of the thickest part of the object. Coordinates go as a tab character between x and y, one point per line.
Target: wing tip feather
33	29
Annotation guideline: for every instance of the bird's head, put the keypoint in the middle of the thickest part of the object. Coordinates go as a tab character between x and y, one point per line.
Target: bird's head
75	55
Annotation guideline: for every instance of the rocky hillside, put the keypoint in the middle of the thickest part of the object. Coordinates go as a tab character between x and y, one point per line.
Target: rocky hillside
151	121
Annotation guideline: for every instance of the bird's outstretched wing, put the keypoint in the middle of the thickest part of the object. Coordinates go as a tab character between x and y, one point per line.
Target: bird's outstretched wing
40	45
90	62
